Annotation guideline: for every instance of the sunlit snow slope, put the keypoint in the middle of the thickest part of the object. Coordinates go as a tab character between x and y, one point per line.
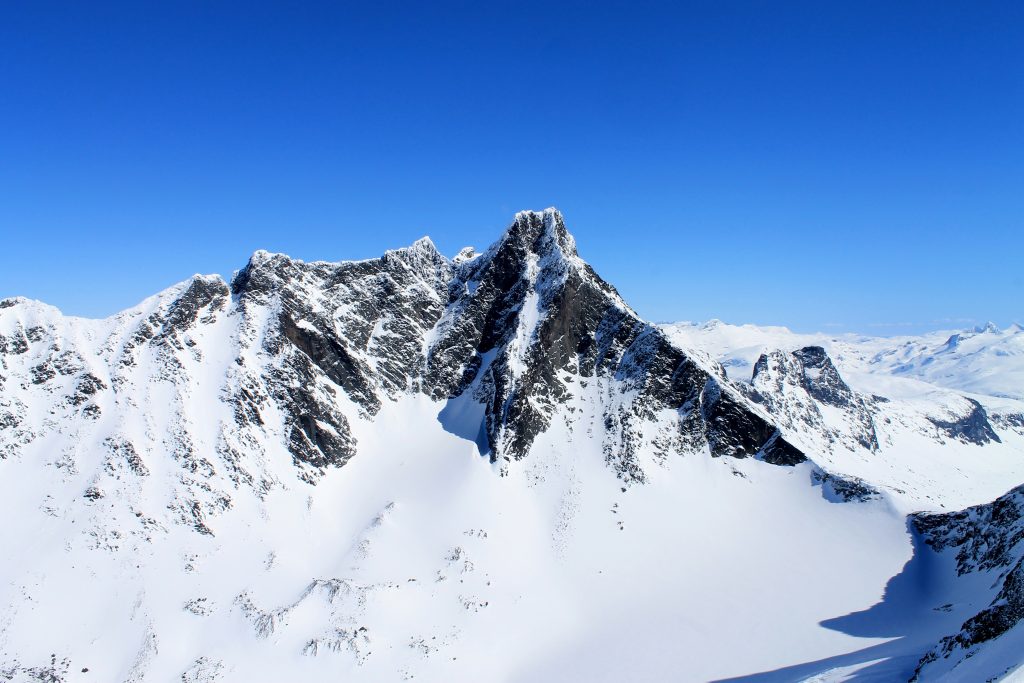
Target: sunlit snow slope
485	468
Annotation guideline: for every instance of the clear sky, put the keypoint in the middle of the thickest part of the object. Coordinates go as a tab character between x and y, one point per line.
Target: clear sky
822	165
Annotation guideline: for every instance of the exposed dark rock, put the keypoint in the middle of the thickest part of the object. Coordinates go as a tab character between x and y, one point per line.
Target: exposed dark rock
355	330
845	489
582	330
516	327
989	539
1012	421
247	405
318	433
168	326
87	387
9	419
985	536
36	334
123	451
43	373
973	427
520	329
778	451
735	430
331	355
15	346
821	379
791	386
209	293
1005	612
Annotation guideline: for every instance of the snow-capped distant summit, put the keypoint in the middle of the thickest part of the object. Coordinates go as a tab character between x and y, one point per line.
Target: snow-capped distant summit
983	360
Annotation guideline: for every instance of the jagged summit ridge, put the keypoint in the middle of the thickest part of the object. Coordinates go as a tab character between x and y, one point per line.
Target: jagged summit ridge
546	228
798	387
512	332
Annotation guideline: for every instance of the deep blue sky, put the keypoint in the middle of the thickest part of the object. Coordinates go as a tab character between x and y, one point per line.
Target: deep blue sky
823	165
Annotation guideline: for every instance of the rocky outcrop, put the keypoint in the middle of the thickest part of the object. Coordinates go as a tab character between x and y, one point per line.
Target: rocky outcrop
821	379
973	427
793	387
986	539
844	489
334	333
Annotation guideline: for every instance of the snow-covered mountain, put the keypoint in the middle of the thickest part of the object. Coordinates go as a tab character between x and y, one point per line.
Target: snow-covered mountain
490	467
983	360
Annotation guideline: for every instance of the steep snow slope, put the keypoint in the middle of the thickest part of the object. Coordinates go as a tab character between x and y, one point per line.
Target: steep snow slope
953	613
418	559
484	467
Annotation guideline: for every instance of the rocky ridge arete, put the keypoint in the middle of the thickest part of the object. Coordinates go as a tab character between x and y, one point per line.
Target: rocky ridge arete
515	330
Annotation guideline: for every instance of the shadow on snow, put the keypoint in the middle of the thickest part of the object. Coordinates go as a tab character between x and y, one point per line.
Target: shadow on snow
906	614
465	418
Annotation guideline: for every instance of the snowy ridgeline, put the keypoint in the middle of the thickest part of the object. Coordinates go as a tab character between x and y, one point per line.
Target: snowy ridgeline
984	360
489	467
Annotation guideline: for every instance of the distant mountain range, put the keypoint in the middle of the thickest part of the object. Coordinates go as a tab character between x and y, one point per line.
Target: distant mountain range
489	467
983	360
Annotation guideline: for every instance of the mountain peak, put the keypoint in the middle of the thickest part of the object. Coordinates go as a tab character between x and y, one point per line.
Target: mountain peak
465	254
421	252
550	211
423	244
539	231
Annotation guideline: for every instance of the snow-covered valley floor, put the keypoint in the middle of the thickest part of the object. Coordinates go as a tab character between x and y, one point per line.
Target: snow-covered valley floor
418	559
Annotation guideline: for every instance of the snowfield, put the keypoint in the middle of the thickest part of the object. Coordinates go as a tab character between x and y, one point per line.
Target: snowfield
489	468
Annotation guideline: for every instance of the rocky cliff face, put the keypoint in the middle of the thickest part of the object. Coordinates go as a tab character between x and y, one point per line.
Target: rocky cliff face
796	387
516	330
502	340
987	540
970	427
